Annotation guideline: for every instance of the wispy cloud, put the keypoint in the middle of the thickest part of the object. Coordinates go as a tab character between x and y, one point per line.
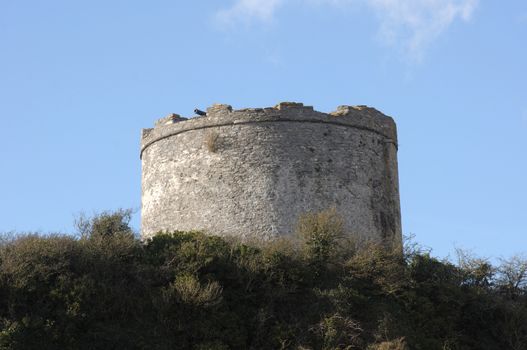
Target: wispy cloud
249	10
409	25
413	24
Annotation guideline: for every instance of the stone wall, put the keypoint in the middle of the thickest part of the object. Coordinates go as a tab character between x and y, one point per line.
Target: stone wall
253	172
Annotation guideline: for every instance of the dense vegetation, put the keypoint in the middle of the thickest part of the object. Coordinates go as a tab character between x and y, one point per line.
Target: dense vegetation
104	289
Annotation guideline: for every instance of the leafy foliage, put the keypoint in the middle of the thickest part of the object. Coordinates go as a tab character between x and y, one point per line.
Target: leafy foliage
185	290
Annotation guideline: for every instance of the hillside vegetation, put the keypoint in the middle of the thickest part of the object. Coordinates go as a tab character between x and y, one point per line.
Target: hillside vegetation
104	289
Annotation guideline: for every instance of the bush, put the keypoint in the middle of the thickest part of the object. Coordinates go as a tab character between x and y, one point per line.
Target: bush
105	224
185	290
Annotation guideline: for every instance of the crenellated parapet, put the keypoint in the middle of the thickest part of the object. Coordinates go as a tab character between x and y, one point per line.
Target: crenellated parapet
360	117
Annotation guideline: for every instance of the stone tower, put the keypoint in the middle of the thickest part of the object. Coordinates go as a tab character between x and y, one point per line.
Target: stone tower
253	172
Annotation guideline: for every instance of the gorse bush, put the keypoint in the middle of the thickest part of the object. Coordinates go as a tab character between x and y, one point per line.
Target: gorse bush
189	290
104	289
105	224
320	232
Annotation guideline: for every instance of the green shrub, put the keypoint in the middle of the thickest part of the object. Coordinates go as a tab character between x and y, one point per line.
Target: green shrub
188	290
320	233
397	344
338	332
185	290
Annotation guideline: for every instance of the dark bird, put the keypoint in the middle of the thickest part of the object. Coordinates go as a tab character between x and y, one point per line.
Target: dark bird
201	113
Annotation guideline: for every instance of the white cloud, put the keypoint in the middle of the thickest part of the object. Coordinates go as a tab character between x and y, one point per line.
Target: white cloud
410	25
249	10
413	24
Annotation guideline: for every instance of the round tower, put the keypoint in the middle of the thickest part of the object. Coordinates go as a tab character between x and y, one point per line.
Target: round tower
254	172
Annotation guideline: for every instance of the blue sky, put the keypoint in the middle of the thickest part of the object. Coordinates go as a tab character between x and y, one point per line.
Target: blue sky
79	79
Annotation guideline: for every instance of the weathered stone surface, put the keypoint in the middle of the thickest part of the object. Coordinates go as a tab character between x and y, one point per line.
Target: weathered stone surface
218	109
253	172
289	105
169	119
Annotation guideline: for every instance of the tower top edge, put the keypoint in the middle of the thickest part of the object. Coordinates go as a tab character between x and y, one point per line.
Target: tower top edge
219	109
217	115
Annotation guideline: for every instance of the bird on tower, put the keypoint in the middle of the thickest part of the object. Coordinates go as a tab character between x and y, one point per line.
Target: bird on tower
200	113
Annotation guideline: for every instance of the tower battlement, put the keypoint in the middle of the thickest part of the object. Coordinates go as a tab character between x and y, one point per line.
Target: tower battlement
362	117
252	172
